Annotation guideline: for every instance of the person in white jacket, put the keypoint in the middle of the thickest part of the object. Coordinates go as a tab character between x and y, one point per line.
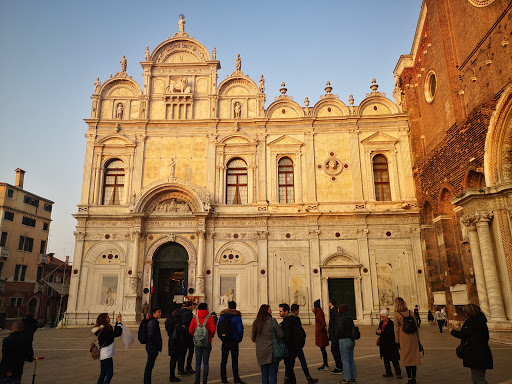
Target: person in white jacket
106	334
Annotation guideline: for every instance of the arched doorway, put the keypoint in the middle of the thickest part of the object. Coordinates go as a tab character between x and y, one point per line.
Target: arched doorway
170	275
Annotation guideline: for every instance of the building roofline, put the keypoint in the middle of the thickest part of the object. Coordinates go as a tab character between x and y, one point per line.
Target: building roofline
27	192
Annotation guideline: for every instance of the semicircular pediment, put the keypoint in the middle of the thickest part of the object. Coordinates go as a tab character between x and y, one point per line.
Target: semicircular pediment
123	87
236	86
180	50
284	109
377	105
340	260
330	108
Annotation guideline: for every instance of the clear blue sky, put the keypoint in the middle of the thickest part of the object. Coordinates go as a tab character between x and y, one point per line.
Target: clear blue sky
52	51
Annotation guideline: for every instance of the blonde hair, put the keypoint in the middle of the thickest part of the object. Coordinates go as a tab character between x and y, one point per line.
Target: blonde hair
400	305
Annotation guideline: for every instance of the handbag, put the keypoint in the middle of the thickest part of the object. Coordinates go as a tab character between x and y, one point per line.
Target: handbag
378	341
459	351
279	350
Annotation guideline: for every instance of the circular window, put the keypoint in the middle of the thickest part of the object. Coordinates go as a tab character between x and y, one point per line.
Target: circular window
430	86
481	3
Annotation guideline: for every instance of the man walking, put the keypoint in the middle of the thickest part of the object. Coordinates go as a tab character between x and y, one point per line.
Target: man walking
440	317
417	315
16	349
186	316
153	344
202	329
294	339
231	331
335	346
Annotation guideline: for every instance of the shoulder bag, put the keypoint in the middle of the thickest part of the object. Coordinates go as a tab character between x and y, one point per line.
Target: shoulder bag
279	350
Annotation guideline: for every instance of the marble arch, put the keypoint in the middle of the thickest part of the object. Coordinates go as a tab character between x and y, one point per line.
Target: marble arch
366	106
340	259
172	238
98	248
231	83
180	44
275	110
328	102
115	83
243	248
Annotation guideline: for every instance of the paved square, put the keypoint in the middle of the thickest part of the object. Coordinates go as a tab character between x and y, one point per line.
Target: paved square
68	360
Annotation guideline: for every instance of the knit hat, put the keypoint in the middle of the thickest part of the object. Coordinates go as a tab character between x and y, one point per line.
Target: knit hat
316	304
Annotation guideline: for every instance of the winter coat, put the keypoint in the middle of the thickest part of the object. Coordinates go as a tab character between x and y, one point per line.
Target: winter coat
264	340
237	328
176	345
321	338
409	342
333	317
344	327
154	342
105	335
474	336
16	349
186	316
29	327
292	326
210	325
388	347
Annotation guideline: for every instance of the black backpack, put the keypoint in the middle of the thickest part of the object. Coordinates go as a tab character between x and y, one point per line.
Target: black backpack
224	330
143	332
356	334
410	325
299	336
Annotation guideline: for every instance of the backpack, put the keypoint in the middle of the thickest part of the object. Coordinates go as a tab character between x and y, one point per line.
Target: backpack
201	333
356	335
224	330
410	325
299	336
143	331
94	350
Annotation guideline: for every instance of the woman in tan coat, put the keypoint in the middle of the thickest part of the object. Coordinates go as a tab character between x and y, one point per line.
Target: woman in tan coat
409	343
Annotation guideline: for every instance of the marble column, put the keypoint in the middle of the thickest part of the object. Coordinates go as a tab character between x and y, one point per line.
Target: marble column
478	268
489	266
76	278
135	253
200	264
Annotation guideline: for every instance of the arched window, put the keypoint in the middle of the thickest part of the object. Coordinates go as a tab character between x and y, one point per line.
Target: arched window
381	178
285	172
236	182
114	183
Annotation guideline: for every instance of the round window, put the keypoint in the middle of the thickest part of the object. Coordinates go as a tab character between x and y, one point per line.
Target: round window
430	86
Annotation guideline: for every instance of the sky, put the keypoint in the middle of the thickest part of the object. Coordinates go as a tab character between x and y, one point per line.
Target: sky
52	51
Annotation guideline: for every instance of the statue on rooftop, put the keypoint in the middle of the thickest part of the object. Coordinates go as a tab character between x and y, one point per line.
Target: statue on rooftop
181	24
214	53
97	85
124	64
146	54
262	84
238	63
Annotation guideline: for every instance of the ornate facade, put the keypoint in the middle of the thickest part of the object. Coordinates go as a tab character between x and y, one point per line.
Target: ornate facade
195	187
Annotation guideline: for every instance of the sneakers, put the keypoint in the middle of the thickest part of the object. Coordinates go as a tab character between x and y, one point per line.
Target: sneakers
174	379
337	371
387	375
323	368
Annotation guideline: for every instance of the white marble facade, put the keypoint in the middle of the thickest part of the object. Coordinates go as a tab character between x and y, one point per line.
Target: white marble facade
173	143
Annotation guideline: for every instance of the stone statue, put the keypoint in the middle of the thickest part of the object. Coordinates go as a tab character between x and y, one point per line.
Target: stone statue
214	53
181	24
97	85
124	63
119	111
238	110
146	54
299	298
238	63
227	297
180	86
110	297
262	84
172	171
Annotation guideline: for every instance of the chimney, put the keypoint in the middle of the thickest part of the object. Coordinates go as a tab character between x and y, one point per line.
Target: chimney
20	176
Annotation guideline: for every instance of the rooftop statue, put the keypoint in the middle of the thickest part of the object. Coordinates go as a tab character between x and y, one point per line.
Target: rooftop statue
262	84
124	64
146	54
214	53
181	24
97	85
238	63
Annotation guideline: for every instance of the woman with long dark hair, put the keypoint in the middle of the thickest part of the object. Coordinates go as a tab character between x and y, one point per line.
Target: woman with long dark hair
106	334
263	330
409	343
321	337
474	336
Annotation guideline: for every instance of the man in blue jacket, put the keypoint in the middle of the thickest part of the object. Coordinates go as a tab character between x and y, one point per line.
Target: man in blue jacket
153	344
231	337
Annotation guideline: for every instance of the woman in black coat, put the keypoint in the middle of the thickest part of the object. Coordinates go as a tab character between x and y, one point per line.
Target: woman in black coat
175	329
388	347
474	337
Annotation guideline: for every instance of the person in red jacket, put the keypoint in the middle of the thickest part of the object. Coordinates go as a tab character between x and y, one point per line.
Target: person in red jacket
202	329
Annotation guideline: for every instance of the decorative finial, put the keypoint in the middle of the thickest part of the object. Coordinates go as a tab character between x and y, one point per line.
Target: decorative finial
351	100
283	89
374	85
306	102
328	89
181	24
146	54
238	63
124	64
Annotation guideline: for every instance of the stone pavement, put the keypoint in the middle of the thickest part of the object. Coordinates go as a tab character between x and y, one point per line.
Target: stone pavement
68	361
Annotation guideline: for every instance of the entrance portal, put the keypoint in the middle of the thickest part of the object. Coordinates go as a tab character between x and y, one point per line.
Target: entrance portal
170	275
342	290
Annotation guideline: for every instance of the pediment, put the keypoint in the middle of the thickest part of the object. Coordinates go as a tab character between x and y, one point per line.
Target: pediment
286	141
380	138
340	260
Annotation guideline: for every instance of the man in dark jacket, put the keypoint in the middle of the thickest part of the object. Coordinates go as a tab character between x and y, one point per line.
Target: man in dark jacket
16	349
294	339
29	326
188	341
230	343
335	346
300	353
154	343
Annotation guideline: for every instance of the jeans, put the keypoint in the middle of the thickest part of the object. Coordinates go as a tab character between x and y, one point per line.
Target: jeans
189	346
411	372
303	363
335	350
203	355
269	373
478	376
289	363
152	355
227	347
324	356
347	357
396	365
107	371
440	323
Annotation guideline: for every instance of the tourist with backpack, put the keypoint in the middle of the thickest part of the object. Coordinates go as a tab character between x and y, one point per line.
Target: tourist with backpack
202	329
345	334
231	332
407	336
188	341
153	342
106	334
294	339
175	330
